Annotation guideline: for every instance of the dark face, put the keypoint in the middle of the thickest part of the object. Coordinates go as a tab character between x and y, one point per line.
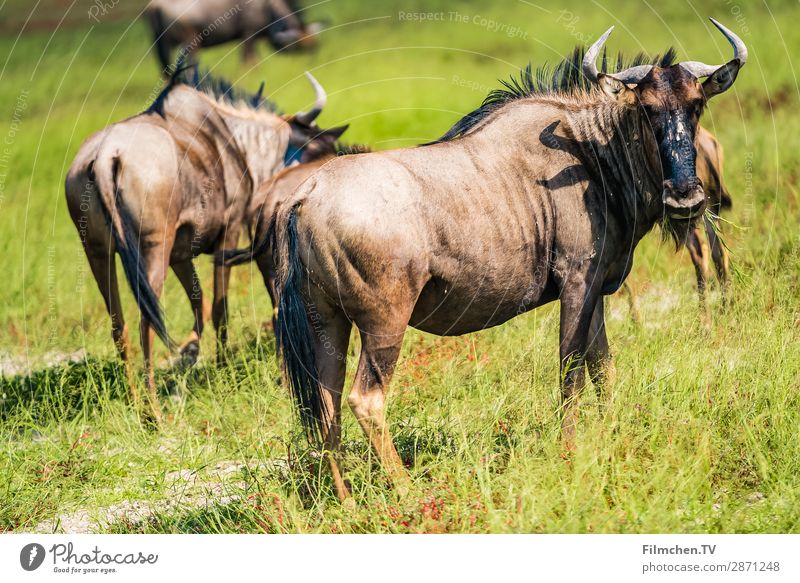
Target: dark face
673	100
308	142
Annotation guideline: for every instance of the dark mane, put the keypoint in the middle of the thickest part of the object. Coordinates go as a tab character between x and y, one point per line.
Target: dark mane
349	149
339	149
566	78
216	87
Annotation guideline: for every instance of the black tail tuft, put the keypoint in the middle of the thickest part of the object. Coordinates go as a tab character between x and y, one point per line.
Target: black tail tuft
262	244
295	340
128	249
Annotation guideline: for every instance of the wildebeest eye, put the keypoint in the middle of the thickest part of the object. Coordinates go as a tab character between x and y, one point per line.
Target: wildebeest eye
695	109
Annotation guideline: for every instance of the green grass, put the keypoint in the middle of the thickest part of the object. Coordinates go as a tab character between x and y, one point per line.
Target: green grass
699	436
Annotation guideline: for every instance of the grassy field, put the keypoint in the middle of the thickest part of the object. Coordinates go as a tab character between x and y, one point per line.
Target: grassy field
701	434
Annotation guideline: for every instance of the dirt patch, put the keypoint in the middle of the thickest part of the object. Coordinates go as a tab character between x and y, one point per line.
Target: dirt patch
778	99
53	15
16	365
186	490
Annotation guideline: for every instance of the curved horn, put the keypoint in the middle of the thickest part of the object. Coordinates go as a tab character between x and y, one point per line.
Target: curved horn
308	117
590	58
256	101
632	75
699	69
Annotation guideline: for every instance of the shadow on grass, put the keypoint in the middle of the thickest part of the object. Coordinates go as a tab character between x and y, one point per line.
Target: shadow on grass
61	391
235	517
69	390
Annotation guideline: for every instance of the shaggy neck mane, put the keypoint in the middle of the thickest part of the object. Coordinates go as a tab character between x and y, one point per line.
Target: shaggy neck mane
339	149
218	89
565	82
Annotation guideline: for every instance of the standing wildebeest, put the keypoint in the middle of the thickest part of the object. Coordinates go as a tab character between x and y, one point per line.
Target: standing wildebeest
171	183
709	171
269	195
540	194
193	24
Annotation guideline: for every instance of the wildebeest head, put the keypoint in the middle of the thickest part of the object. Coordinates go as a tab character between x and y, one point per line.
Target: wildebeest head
672	100
287	29
308	140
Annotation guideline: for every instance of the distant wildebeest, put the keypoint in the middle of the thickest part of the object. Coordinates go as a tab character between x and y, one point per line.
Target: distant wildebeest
269	195
709	171
164	186
540	194
193	24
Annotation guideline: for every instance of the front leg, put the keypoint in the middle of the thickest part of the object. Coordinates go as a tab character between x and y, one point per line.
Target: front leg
219	308
248	47
578	302
598	356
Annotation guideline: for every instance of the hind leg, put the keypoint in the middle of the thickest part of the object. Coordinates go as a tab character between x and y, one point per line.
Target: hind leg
331	332
380	348
201	309
264	262
102	261
699	254
156	261
719	254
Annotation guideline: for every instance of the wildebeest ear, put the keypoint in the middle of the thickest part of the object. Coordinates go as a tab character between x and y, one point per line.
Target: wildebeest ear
612	87
337	132
721	79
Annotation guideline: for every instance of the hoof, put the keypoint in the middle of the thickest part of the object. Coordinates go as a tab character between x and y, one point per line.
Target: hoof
402	489
190	352
150	418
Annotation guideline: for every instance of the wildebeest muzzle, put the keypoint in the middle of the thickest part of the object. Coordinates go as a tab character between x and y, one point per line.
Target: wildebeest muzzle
684	199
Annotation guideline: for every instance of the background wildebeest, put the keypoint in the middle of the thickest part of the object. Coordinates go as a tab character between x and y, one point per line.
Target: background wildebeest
709	171
269	195
171	183
193	24
462	235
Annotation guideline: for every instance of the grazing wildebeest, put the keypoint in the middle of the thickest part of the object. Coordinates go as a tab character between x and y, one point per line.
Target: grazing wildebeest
193	24
540	194
709	171
269	195
171	183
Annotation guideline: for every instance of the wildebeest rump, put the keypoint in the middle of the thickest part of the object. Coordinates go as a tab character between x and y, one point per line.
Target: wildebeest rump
193	24
171	183
540	194
269	195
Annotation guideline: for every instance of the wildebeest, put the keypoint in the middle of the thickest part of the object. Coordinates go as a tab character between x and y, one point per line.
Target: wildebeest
193	24
709	171
540	194
710	168
269	195
171	183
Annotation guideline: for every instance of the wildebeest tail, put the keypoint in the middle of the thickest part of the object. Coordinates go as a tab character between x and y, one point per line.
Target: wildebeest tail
106	174
725	200
159	26
262	244
293	332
